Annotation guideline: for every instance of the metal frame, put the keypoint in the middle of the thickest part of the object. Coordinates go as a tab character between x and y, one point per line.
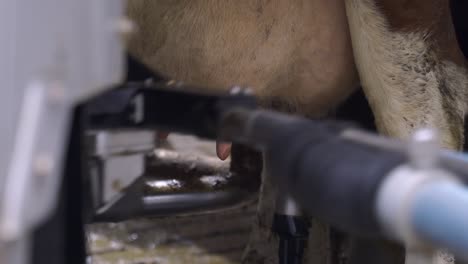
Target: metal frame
54	54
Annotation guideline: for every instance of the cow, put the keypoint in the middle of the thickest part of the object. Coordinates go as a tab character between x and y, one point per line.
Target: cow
307	57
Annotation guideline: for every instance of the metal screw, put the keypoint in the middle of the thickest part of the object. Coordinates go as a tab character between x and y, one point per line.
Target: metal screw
56	92
235	90
175	84
170	82
248	91
125	26
423	148
43	165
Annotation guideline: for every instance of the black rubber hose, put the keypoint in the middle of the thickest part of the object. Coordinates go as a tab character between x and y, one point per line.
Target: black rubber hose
333	179
292	232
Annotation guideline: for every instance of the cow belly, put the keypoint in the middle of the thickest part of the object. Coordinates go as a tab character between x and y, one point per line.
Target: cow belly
293	52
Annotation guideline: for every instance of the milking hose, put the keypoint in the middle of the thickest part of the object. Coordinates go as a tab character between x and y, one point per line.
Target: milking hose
357	183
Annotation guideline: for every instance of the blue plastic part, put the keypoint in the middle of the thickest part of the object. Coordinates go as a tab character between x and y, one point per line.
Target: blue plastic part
440	216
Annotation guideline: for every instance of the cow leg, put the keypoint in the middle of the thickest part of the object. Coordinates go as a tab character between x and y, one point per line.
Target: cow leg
262	246
410	67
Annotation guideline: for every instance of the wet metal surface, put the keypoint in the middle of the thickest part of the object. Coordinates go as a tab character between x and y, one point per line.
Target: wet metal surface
174	172
196	238
208	238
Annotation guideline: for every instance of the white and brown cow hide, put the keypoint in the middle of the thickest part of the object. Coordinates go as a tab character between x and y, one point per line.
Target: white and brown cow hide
307	57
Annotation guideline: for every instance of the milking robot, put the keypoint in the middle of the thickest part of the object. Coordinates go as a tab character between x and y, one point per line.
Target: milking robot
73	120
